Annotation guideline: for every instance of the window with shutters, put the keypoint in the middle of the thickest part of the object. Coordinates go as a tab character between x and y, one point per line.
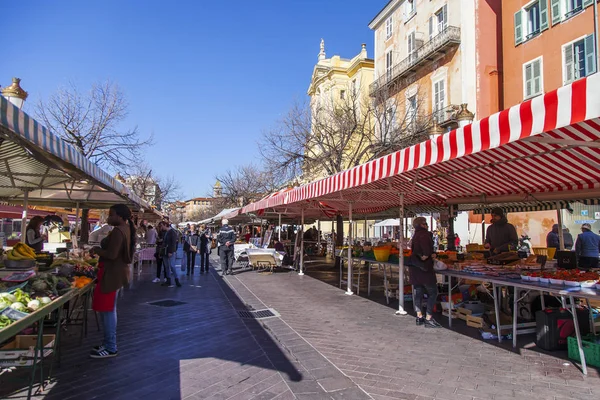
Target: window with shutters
411	45
531	20
439	100
410	9
388	64
579	59
389	28
565	9
438	22
533	83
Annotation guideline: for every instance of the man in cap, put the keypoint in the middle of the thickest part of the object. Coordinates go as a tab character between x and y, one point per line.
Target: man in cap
587	248
226	239
501	236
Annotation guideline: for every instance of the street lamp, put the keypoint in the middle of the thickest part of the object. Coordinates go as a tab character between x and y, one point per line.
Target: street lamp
15	93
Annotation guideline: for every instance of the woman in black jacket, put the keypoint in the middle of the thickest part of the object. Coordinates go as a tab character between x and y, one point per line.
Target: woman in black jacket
422	274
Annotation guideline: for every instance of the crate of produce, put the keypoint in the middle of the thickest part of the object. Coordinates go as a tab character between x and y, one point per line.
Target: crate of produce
591	349
20	352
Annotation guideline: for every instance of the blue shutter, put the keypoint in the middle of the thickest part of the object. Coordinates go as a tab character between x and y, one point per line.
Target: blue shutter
518	27
430	27
556	11
543	15
590	55
528	81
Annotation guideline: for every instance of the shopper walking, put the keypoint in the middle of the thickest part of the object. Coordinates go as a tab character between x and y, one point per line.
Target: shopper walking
204	249
169	255
422	274
116	253
160	235
226	239
191	247
587	248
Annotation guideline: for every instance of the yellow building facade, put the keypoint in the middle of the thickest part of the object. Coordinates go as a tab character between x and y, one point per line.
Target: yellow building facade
338	83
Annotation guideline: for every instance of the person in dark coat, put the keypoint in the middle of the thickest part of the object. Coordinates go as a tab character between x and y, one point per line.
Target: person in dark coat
553	240
422	274
501	236
205	249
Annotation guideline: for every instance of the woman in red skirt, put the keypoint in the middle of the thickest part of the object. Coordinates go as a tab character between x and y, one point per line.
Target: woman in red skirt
116	252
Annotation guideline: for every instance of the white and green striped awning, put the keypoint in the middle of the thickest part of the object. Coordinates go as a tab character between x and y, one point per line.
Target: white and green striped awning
35	161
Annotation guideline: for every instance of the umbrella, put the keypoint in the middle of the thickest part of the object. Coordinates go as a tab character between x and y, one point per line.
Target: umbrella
388	222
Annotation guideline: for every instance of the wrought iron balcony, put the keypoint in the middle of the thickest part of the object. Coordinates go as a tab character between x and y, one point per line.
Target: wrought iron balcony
445	116
438	44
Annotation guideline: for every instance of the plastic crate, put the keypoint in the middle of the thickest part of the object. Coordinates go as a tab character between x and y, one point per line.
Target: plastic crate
591	349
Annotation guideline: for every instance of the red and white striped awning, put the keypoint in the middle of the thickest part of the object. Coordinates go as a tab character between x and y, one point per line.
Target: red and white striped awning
543	150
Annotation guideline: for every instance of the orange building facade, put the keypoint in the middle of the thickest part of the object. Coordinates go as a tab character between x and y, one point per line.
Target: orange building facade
431	56
546	44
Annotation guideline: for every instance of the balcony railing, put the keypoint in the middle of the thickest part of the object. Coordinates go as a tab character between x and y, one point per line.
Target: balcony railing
445	39
446	115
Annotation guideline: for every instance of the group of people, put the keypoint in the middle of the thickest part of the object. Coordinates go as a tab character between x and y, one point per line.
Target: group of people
195	241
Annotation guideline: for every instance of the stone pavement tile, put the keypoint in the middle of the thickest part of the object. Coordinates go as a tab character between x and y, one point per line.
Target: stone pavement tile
326	372
335	383
305	386
273	392
353	393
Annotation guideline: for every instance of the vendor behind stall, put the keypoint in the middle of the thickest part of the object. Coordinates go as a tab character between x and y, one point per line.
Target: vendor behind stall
34	238
501	236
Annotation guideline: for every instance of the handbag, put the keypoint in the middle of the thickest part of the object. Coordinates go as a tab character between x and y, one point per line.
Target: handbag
162	252
213	244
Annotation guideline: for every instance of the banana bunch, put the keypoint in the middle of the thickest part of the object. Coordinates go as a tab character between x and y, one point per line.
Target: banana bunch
21	251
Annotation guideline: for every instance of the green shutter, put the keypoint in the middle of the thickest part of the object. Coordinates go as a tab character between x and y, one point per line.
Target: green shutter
543	15
556	11
569	65
590	55
518	27
528	88
587	3
537	77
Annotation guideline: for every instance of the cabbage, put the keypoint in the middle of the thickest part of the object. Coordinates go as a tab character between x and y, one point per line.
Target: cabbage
3	304
45	300
9	297
18	306
33	305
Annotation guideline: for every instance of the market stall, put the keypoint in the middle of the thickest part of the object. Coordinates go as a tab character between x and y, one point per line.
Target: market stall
35	293
38	168
542	152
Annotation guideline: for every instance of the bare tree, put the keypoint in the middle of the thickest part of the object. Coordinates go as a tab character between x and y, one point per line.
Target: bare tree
246	184
91	124
329	136
154	189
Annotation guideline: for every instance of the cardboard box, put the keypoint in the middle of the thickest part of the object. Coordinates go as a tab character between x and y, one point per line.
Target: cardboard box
20	352
475	321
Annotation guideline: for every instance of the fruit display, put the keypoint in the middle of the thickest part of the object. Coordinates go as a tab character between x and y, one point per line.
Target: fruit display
81	281
21	252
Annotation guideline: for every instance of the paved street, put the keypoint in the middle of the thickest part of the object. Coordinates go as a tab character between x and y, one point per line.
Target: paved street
324	345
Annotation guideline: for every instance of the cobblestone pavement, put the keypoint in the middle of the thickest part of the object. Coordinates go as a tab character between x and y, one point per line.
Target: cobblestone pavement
198	350
390	358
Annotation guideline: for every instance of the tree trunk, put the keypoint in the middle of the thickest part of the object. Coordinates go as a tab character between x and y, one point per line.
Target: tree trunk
85	226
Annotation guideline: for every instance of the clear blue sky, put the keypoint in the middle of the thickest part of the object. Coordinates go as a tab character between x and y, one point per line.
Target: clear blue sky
205	77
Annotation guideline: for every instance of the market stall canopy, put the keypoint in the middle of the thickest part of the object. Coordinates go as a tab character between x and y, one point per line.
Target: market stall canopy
35	161
388	222
17	212
219	216
543	150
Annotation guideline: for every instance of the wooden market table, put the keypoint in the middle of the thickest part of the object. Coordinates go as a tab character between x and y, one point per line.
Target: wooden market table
38	317
498	282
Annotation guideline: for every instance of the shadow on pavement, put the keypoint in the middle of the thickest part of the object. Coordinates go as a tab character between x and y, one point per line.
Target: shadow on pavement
200	348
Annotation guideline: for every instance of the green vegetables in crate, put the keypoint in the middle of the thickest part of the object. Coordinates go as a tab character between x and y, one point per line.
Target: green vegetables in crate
5	321
22	297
